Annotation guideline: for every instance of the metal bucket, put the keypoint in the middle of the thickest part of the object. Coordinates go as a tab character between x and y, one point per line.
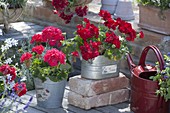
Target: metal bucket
100	68
109	5
49	94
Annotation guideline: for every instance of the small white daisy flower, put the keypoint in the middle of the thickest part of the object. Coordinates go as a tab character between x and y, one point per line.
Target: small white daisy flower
8	61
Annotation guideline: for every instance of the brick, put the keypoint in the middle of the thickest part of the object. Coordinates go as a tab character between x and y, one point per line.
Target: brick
104	99
88	87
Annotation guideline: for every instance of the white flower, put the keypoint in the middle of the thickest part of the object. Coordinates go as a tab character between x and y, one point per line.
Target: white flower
9	77
8	61
11	42
8	40
3	48
16	64
14	56
14	42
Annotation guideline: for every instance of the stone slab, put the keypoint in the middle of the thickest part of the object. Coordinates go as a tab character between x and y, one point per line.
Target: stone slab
86	87
104	99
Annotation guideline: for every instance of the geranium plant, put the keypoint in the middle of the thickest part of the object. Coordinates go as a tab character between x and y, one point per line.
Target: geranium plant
110	38
10	87
44	59
162	4
65	9
163	78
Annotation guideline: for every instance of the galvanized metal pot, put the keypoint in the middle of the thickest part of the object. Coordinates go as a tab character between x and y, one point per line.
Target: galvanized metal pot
109	5
100	68
49	94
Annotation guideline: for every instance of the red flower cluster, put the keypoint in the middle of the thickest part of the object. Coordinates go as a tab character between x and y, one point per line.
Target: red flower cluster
6	69
20	88
123	26
37	38
52	35
38	49
26	56
60	4
75	53
90	50
81	11
87	31
62	9
113	34
54	56
112	38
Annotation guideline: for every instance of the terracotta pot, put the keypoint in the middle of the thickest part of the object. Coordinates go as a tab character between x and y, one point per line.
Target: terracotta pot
157	22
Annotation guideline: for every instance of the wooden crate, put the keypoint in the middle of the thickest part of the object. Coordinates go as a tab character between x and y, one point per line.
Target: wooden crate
152	19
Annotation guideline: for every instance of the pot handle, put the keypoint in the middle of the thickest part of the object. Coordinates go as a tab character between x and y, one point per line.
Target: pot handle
157	53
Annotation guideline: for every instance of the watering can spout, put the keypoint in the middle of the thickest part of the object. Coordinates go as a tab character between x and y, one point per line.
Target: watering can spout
130	62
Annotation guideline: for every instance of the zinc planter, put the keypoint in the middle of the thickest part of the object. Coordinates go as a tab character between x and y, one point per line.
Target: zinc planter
100	68
49	94
109	5
157	22
124	10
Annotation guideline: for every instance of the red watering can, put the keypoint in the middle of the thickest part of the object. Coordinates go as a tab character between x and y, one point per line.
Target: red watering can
143	90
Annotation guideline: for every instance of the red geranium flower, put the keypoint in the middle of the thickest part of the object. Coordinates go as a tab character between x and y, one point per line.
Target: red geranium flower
20	88
38	49
6	69
52	35
75	53
54	56
37	38
113	39
141	34
104	14
64	11
25	56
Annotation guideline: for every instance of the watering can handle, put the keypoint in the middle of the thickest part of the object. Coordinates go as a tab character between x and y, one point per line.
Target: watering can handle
157	53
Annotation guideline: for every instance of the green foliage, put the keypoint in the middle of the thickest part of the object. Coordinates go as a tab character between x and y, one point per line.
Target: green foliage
40	69
162	4
163	78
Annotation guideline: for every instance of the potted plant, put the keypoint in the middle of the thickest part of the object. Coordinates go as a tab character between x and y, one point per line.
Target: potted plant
10	10
65	9
163	78
48	66
100	47
158	22
143	89
11	84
